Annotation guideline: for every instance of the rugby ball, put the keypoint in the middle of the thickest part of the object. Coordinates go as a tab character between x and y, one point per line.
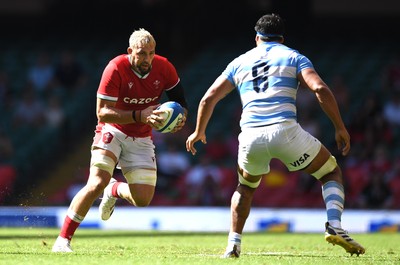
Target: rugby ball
173	113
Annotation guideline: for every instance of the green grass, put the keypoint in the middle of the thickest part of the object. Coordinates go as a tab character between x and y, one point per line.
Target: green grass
33	247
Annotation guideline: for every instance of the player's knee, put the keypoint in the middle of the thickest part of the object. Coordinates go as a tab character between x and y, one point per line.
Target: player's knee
247	183
141	176
142	202
327	168
95	187
335	175
102	162
141	196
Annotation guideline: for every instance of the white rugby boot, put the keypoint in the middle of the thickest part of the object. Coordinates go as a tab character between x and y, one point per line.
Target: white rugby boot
232	252
340	237
62	245
108	201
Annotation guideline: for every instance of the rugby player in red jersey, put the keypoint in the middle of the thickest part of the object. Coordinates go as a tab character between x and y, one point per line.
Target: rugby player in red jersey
128	95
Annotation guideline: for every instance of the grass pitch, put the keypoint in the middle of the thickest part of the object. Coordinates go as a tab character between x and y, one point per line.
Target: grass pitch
32	246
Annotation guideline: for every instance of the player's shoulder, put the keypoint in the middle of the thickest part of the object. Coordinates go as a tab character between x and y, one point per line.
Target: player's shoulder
118	63
119	59
161	59
292	50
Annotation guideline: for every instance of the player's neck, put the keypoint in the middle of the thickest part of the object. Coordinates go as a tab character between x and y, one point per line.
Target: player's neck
139	74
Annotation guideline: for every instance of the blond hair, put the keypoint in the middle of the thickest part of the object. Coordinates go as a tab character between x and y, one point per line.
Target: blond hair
141	37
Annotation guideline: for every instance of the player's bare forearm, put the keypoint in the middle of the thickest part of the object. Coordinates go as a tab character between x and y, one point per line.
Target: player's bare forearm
329	105
203	116
108	114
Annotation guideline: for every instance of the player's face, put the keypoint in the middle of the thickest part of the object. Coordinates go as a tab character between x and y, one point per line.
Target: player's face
142	57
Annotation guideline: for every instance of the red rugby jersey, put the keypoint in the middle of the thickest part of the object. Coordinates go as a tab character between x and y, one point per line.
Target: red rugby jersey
119	83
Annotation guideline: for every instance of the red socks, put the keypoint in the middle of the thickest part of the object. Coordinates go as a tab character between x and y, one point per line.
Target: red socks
114	190
69	227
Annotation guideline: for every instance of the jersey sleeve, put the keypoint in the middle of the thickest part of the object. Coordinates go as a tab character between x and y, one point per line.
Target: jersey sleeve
303	63
172	78
109	83
229	71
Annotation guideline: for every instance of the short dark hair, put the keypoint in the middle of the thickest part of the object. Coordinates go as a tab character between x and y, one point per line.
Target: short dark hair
270	27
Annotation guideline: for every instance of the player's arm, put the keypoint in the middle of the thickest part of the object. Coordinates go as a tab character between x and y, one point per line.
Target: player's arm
309	78
108	113
217	91
177	94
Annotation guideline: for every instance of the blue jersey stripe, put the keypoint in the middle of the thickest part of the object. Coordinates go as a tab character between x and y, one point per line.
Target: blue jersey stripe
254	120
272	101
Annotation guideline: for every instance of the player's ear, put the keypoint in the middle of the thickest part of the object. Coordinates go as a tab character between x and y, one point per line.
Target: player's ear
258	40
129	50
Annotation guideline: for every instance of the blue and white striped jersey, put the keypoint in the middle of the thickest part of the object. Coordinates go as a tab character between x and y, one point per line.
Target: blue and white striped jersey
266	79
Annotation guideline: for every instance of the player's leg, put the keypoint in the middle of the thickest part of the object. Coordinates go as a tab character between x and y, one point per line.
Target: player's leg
138	165
326	170
80	205
135	191
139	189
253	164
240	209
305	152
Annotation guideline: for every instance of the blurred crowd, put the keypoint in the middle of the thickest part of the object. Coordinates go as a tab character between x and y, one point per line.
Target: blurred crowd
48	82
371	170
33	102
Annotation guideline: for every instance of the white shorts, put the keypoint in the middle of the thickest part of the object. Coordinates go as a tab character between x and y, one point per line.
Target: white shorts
286	141
132	153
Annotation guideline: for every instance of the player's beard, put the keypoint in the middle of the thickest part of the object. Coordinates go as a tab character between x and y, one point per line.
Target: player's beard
143	68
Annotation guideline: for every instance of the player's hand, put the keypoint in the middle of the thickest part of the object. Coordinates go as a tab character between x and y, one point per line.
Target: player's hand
180	125
155	120
343	141
149	118
192	139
